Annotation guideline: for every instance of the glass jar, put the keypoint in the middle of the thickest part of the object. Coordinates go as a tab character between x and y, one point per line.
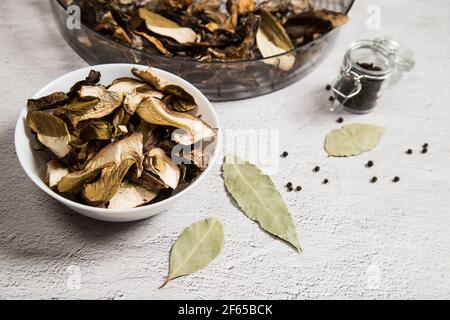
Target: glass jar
367	67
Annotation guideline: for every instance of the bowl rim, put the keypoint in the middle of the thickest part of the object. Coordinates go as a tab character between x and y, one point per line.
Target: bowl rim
129	47
41	184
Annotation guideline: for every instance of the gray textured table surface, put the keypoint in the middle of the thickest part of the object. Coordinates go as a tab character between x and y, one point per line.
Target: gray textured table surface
361	240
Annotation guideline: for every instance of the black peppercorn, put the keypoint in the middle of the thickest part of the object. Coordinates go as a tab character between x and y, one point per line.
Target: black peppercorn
409	151
424	150
325	181
331	98
425	145
289	184
340	120
316	169
290	189
396	179
328	87
299	188
374	179
369	164
284	154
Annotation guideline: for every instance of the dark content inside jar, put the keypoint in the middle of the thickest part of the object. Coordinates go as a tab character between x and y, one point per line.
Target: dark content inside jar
367	69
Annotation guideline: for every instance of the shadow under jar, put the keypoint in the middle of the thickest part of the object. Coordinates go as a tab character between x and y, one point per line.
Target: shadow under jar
218	80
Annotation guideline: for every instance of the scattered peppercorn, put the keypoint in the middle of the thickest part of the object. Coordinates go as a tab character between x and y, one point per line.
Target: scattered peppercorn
409	151
328	87
289	184
396	179
369	164
425	145
325	181
374	179
284	154
316	169
340	120
424	150
331	98
299	188
290	189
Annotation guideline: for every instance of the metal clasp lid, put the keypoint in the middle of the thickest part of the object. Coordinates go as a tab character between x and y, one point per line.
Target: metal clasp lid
346	77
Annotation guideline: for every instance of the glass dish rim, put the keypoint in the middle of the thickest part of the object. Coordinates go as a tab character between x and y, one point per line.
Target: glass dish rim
188	60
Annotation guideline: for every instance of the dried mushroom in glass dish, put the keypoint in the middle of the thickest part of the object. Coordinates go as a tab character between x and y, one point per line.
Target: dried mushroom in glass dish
124	145
212	30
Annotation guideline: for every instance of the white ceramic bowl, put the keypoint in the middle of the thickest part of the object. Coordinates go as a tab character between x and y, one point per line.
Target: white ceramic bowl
34	162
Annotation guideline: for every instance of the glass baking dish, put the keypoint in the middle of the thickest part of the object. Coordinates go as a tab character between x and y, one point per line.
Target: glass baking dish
219	81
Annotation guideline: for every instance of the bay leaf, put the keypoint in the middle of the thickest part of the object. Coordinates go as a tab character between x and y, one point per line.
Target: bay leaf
258	198
195	248
353	139
272	40
160	25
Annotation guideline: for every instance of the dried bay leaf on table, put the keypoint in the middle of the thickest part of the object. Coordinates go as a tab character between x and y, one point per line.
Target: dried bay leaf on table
353	139
258	198
196	247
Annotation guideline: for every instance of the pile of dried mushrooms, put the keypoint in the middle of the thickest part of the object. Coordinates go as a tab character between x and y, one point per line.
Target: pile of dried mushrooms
211	30
119	146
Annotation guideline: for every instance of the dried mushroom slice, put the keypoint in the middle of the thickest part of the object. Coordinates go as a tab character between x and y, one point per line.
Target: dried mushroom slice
107	22
308	26
199	158
95	130
48	102
154	111
273	40
120	120
157	162
91	80
245	6
125	86
51	131
108	102
155	42
55	172
101	191
287	7
185	101
134	99
131	196
148	181
160	25
112	155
